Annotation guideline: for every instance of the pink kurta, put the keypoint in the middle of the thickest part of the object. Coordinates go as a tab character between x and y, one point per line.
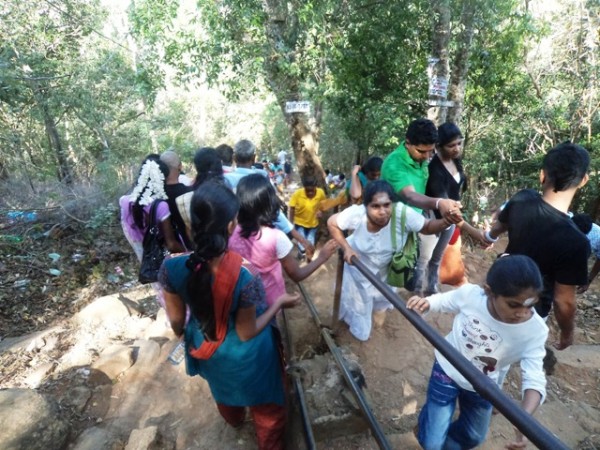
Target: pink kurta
264	250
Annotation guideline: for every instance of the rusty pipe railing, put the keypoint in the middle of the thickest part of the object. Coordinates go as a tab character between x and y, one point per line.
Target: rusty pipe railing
378	433
309	437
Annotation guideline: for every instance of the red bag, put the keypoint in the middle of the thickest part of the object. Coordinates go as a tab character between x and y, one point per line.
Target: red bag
452	268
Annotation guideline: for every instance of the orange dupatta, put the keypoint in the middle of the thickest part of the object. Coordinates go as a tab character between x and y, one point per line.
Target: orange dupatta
226	278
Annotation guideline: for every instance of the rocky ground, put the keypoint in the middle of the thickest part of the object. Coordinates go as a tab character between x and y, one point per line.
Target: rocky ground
84	348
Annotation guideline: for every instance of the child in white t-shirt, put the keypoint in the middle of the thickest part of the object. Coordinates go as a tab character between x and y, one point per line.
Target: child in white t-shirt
494	327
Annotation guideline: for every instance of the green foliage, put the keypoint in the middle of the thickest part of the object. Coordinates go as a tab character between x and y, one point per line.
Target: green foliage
532	83
63	75
275	134
338	151
103	217
379	72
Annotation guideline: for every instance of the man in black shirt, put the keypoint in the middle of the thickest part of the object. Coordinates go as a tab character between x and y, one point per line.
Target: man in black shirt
538	226
173	189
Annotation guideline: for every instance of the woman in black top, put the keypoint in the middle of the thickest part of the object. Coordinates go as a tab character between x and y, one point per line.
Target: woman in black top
446	180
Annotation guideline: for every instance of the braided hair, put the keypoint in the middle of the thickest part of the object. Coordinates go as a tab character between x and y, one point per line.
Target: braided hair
213	207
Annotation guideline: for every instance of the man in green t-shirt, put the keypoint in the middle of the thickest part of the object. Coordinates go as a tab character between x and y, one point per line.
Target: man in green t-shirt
406	169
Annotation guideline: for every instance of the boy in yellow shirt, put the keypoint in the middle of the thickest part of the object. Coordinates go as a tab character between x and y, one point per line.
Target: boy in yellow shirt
305	211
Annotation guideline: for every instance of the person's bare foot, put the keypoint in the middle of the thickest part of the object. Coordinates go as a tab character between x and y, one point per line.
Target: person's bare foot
378	318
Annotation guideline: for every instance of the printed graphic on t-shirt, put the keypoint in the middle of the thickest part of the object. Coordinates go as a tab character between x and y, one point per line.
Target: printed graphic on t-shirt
479	341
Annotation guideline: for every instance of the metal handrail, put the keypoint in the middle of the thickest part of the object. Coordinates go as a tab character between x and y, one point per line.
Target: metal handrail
531	428
309	437
378	433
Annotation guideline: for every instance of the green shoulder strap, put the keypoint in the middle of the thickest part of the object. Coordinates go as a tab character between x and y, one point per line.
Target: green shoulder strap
393	227
402	224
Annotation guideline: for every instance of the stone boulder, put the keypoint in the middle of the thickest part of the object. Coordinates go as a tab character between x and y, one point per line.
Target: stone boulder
30	420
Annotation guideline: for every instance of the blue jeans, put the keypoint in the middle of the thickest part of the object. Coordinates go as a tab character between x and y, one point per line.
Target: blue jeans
436	429
308	233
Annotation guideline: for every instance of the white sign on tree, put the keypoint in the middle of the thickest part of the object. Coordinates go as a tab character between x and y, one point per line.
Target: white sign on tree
297	107
438	86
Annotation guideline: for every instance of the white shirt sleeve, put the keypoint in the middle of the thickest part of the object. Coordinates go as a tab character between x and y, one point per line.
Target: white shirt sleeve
283	245
532	366
414	220
450	301
350	218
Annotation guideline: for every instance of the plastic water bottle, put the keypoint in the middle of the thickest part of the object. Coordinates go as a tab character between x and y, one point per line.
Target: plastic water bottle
177	354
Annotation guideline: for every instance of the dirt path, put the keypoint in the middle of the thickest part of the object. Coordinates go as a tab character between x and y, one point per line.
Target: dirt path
148	394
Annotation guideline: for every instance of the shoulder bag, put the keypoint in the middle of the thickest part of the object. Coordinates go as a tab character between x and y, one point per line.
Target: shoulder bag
154	249
404	261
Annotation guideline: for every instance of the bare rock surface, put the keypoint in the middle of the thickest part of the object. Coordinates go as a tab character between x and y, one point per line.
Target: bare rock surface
29	420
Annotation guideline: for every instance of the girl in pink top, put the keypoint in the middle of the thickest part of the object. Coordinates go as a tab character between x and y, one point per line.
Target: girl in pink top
267	248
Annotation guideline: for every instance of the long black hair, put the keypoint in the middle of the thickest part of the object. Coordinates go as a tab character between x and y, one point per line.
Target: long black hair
213	207
447	132
259	204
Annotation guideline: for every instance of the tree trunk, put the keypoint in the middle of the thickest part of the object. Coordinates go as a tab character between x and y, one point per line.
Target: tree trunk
281	31
305	134
438	64
460	66
64	169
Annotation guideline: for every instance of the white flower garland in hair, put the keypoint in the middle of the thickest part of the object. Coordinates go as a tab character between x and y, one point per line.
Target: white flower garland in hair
150	183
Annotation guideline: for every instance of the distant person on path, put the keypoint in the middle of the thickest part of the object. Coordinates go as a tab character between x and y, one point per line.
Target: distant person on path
287	170
371	242
538	226
361	175
328	177
304	212
244	154
338	181
281	157
278	182
446	180
225	152
136	206
229	339
174	189
266	247
592	231
494	327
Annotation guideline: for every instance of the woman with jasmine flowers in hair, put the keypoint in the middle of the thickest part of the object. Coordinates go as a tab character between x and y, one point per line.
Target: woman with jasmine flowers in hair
136	208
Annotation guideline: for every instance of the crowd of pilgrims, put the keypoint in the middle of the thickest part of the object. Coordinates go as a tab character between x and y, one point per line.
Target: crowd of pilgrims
231	241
